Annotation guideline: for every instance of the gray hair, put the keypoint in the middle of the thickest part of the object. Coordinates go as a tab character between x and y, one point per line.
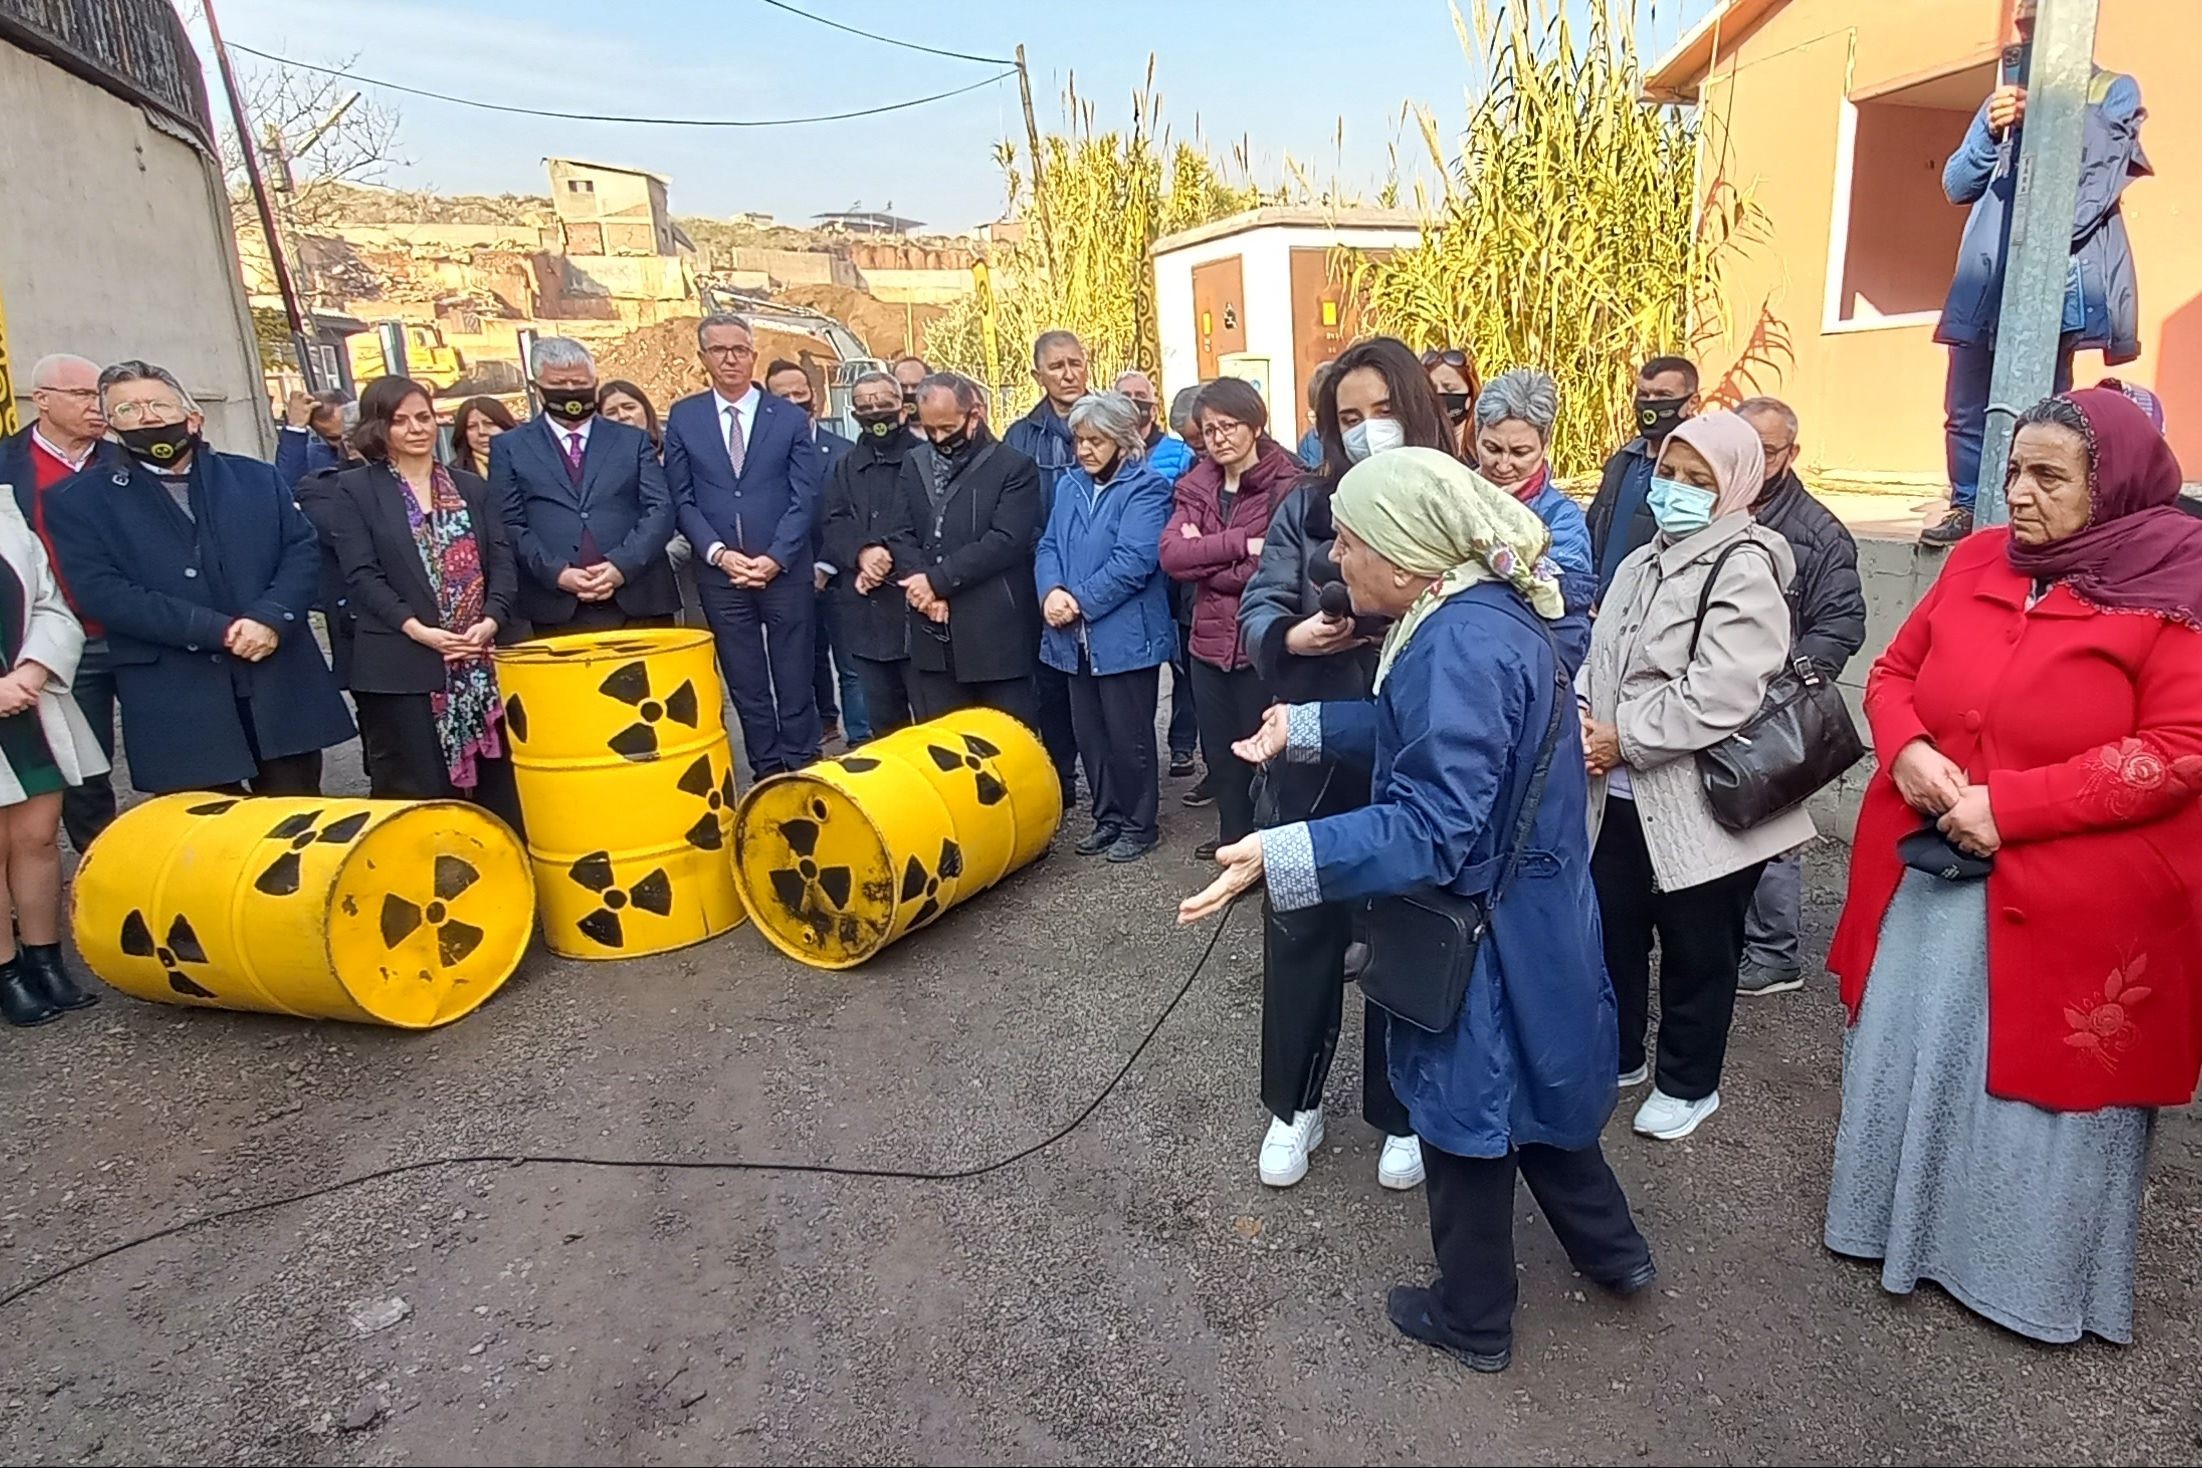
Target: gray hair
1524	393
558	351
871	377
958	386
1115	416
132	369
1184	405
1057	337
43	370
1128	374
723	318
1772	407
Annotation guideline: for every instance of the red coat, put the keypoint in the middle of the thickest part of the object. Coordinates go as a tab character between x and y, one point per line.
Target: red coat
2086	727
1216	561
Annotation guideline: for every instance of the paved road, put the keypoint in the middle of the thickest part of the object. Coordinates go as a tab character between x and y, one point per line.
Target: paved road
1132	1295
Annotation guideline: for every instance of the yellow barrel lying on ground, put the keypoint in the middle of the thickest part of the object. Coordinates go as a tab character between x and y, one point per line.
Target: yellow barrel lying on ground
391	912
841	858
619	749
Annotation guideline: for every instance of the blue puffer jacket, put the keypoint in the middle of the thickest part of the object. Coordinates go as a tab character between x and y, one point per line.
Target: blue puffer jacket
2101	302
1578	578
1170	456
1100	545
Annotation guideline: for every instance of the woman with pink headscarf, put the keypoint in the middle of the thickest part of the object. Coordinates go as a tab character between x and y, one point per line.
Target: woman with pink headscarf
1690	634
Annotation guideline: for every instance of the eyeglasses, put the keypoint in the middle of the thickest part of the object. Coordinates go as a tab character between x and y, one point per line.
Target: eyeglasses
1224	428
154	414
1445	357
733	353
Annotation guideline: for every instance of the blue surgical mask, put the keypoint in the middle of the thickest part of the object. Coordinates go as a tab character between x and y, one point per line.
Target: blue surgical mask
1373	436
1680	509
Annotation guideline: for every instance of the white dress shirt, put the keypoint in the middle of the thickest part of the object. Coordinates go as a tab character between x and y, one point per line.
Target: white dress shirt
736	415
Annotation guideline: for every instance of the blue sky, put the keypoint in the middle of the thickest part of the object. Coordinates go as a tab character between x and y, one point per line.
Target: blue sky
1281	74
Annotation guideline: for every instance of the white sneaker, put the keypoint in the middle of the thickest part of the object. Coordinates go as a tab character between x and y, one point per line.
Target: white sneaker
1670	1118
1285	1149
1636	1077
1399	1165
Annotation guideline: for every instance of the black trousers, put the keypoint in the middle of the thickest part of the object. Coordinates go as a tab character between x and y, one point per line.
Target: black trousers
289	774
1472	1230
886	693
404	757
1114	714
597	616
1051	717
1184	722
1700	933
934	694
1229	707
89	808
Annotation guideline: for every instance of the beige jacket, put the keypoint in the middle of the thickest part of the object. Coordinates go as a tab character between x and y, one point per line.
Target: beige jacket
1666	705
53	638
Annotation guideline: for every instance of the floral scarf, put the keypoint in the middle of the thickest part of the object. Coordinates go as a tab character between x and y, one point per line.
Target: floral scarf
467	711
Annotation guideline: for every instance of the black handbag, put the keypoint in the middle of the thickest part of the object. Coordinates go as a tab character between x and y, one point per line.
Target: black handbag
1423	943
1801	739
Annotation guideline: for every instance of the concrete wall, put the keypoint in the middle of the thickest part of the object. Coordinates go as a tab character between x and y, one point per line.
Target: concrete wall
796	267
919	287
1781	109
140	266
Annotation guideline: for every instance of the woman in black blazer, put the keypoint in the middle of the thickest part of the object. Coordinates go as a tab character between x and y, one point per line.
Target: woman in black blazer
431	579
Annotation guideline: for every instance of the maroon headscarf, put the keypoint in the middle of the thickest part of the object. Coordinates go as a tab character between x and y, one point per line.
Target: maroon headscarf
2138	552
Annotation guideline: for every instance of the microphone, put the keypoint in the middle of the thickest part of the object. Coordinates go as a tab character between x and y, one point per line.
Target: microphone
1337	602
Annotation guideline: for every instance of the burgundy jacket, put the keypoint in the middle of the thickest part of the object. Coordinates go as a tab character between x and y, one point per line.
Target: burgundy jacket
1216	562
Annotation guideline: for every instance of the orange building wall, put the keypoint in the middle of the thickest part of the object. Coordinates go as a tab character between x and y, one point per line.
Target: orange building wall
1870	396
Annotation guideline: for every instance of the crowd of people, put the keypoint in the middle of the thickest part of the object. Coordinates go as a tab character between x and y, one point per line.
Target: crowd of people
1448	720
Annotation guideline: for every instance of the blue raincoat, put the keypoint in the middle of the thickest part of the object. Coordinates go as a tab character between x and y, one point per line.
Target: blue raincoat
1102	546
1452	738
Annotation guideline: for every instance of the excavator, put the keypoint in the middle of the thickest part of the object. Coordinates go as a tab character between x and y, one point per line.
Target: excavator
855	358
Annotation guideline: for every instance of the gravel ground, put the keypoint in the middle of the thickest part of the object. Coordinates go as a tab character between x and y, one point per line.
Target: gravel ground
1132	1294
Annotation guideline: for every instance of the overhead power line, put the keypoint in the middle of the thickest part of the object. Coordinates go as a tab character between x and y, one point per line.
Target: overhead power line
888	40
617	117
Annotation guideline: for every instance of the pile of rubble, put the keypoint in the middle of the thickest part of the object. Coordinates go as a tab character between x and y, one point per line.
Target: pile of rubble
662	361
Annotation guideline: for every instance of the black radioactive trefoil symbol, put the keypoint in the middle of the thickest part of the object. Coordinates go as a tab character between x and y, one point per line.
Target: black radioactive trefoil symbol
630	684
717	796
281	877
653	894
795	885
454	939
976	753
182	947
917	882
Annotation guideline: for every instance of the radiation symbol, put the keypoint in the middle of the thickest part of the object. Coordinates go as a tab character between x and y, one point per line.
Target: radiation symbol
717	796
516	718
796	886
630	683
917	883
976	752
454	939
281	877
653	894
857	764
181	948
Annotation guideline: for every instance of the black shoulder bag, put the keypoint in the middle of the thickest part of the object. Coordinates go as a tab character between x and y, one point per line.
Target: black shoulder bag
1423	943
1801	739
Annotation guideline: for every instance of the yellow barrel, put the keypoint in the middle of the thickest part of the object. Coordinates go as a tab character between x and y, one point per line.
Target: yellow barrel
841	858
619	749
391	912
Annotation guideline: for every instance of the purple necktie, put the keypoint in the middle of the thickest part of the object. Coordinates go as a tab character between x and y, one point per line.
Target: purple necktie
573	457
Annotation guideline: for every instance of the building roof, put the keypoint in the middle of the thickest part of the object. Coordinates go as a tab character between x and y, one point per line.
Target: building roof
1675	77
1289	216
872	219
610	168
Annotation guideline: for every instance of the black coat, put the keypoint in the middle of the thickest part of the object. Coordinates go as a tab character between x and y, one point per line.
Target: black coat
622	502
863	507
1827	601
976	551
137	565
360	513
1287	588
1605	506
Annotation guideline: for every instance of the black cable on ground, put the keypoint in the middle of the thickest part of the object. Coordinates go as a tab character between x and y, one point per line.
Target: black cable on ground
668	1164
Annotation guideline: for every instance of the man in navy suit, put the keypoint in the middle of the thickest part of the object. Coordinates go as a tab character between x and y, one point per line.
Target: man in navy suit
746	477
840	704
587	506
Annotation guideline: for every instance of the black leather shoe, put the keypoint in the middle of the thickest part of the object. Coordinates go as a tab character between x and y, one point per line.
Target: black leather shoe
1207	850
21	1004
1101	839
1949	530
1634	1282
1182	767
1420	1316
1131	848
50	979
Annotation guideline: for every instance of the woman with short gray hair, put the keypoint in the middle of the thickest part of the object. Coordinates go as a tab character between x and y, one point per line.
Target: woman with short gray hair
1514	417
1107	610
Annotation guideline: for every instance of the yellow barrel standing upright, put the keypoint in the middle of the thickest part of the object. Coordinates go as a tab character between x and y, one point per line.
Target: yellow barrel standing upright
392	912
620	753
839	859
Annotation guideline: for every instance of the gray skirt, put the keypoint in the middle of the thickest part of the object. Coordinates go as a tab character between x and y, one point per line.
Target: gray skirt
2026	1216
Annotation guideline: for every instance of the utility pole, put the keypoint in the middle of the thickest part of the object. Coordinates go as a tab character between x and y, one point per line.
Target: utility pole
1039	190
250	152
2040	249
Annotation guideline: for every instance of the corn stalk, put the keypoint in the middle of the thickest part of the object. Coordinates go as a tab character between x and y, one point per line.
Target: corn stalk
1569	234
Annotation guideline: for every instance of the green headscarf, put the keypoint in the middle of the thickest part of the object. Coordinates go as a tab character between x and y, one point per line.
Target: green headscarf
1431	515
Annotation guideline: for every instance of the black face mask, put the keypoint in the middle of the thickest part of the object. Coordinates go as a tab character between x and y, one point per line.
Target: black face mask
567	404
1656	417
159	448
878	422
909	401
1456	406
952	444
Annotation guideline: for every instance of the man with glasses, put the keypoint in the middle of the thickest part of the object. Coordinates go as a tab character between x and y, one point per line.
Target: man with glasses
202	572
586	504
66	436
746	478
